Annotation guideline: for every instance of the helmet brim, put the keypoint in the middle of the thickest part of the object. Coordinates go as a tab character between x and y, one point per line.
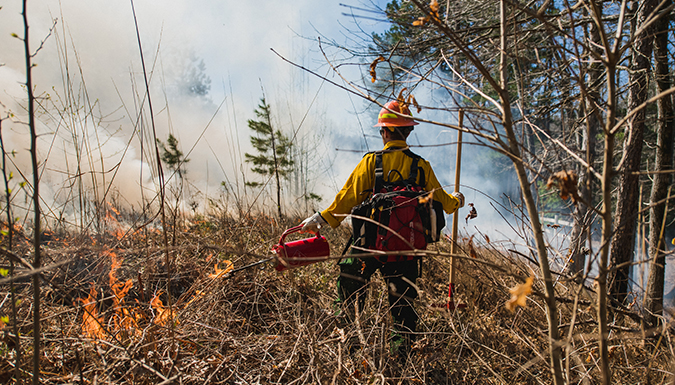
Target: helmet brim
396	124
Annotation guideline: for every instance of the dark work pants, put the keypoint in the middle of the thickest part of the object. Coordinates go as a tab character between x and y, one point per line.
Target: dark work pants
355	274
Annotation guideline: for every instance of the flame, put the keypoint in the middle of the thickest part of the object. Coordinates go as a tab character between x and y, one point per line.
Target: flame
229	266
111	215
162	315
114	265
112	208
91	322
519	294
123	319
18	229
119	234
198	294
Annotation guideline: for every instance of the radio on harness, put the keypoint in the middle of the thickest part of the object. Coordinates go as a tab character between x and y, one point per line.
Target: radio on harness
399	215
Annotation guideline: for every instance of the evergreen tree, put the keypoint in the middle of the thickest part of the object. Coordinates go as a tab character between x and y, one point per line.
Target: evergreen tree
175	160
273	148
172	156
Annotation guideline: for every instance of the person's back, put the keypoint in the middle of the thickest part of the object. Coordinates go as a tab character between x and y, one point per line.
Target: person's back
400	273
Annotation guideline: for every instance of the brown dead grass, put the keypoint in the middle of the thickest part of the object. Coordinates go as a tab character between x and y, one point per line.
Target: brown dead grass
258	326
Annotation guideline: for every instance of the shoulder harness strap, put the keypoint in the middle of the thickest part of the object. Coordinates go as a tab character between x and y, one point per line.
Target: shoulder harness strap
379	173
414	168
412	176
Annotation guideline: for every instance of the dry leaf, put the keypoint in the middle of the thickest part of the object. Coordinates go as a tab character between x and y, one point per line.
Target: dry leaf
340	334
472	213
401	99
373	74
426	198
405	102
487	238
435	7
412	99
566	181
519	294
420	21
472	250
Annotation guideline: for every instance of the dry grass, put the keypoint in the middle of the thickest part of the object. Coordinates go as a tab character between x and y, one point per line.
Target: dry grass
258	326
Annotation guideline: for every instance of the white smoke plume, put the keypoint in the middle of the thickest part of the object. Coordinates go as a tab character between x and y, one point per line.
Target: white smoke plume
207	63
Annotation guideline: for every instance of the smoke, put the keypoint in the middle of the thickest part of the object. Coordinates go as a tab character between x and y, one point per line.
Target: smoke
207	64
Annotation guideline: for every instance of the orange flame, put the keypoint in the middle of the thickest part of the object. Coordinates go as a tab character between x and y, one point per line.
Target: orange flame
111	215
198	295
91	322
122	318
112	208
162	315
229	266
119	234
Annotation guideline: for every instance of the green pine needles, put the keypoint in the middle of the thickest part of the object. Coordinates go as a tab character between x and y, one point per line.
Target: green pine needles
273	158
172	156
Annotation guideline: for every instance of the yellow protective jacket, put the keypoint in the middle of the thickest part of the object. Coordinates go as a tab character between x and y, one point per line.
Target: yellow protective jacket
359	185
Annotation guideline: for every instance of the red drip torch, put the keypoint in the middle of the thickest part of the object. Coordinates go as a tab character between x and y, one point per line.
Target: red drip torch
300	253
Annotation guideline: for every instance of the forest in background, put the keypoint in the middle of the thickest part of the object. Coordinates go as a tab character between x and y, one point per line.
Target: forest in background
575	98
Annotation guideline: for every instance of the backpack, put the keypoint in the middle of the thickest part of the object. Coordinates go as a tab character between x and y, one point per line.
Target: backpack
399	214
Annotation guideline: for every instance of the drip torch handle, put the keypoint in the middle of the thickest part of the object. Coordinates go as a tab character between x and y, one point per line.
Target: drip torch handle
291	231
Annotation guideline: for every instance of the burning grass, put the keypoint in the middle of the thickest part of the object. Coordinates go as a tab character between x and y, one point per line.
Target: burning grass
108	316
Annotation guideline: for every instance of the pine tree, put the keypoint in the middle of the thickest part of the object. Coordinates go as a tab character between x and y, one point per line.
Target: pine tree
175	160
172	156
273	147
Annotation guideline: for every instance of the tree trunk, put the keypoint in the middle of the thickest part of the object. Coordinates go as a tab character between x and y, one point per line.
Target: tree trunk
623	244
37	260
276	167
664	161
554	346
582	222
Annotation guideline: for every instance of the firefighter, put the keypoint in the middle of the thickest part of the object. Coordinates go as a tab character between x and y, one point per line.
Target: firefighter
401	273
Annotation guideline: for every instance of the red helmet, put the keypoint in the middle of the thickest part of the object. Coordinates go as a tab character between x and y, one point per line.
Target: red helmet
388	119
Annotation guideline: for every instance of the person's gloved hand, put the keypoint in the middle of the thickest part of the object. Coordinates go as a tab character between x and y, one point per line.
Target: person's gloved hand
460	198
313	224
